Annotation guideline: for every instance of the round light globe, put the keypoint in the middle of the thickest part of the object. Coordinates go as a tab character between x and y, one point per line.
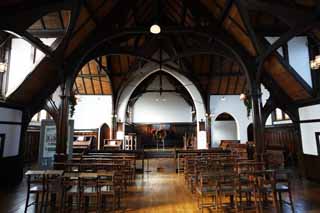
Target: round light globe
242	96
155	29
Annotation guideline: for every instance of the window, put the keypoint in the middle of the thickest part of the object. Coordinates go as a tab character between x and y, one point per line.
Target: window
42	115
279	115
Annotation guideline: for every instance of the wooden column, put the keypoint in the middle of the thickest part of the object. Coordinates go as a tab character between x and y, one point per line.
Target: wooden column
257	120
62	127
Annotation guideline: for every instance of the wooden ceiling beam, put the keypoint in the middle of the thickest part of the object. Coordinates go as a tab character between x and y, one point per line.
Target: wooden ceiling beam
288	15
228	81
243	12
56	33
220	72
37	43
225	12
61	20
236	85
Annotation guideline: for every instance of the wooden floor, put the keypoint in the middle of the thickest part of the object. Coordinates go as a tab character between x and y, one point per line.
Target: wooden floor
162	190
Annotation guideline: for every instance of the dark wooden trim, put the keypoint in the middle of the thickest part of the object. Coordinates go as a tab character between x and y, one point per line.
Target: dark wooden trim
309	121
2	140
10	123
11	106
317	135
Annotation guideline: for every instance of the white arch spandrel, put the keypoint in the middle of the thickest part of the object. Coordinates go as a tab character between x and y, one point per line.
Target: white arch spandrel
141	74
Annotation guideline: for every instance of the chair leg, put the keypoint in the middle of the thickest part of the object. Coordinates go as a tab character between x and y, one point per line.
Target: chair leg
27	202
274	200
37	201
291	201
46	201
235	201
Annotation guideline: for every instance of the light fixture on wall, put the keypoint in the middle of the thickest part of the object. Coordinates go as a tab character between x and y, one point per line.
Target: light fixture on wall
223	98
202	125
243	96
315	63
3	67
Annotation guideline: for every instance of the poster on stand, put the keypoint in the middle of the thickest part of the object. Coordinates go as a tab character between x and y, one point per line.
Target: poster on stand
48	140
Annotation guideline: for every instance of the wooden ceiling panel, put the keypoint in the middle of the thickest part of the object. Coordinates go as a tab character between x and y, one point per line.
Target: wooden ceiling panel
52	21
85	69
223	85
88	85
242	85
284	79
65	17
235	15
97	86
93	67
213	86
232	84
212	6
36	26
106	86
80	86
124	63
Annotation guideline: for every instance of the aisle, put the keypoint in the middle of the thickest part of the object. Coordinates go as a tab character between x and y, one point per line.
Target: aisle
160	191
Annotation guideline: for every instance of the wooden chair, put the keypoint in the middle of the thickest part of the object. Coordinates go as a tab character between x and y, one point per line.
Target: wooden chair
189	173
228	183
70	191
89	192
247	187
207	187
266	188
283	185
107	188
35	185
53	188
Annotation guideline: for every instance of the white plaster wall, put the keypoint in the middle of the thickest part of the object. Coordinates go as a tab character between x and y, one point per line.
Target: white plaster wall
12	131
92	111
299	57
235	107
224	130
169	107
308	130
21	61
265	95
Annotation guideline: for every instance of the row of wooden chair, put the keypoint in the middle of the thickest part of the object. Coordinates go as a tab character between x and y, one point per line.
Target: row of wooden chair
220	175
80	183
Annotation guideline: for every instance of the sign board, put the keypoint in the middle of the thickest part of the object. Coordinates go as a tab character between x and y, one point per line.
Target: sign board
48	140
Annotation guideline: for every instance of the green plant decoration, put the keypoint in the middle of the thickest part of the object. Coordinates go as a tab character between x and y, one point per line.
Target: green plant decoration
73	103
248	103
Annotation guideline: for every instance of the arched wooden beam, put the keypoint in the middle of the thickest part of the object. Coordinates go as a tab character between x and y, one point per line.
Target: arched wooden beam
89	50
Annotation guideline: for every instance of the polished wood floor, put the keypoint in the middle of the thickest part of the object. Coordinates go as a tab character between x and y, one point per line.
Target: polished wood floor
162	190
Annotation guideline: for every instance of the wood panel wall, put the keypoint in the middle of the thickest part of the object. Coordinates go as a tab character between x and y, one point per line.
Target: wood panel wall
175	133
31	145
284	138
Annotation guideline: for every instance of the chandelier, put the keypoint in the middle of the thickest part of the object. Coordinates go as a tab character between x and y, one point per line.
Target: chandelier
315	63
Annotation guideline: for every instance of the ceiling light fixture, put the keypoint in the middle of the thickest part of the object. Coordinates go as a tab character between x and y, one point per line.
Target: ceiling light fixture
155	29
315	64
